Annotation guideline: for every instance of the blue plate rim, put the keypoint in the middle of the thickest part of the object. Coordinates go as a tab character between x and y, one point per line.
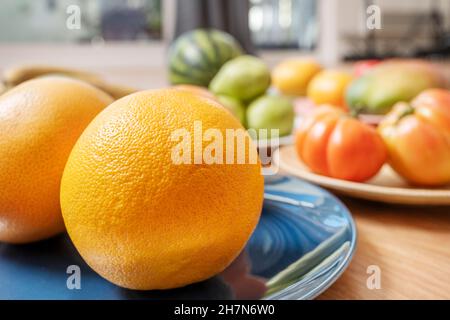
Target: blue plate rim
291	292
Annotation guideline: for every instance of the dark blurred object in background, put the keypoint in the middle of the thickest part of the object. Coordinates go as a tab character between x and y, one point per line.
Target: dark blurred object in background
123	24
122	21
31	21
423	33
284	24
228	15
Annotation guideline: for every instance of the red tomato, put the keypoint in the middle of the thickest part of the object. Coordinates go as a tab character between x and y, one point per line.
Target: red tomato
332	143
418	138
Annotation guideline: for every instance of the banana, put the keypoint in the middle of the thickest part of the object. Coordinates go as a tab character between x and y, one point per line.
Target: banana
2	88
17	75
115	90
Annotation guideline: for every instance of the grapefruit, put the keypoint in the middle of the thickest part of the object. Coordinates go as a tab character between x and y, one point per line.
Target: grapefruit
139	219
40	121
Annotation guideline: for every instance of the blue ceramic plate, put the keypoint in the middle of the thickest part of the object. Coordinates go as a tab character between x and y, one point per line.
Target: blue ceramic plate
303	242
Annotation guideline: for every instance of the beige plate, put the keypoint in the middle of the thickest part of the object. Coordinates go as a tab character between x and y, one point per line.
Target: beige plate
386	186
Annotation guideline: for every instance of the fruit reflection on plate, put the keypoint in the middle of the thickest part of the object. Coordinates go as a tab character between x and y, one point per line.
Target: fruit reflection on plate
386	186
303	242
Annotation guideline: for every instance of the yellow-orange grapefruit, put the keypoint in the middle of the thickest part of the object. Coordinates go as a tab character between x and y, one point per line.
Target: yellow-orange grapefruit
40	121
139	219
292	76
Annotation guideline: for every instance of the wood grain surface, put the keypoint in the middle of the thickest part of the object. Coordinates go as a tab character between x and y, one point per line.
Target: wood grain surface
410	245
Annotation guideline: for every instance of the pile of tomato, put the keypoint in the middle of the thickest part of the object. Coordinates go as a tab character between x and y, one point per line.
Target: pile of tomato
414	138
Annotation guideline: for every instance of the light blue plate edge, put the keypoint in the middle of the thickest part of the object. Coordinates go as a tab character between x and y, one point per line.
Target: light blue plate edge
292	292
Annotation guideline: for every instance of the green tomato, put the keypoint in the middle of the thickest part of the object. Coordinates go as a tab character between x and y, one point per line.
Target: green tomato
271	112
243	78
235	106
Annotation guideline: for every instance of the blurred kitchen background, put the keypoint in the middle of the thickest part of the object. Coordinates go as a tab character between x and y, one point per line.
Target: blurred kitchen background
137	32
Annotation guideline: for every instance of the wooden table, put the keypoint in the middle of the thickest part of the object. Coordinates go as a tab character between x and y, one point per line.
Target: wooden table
410	245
